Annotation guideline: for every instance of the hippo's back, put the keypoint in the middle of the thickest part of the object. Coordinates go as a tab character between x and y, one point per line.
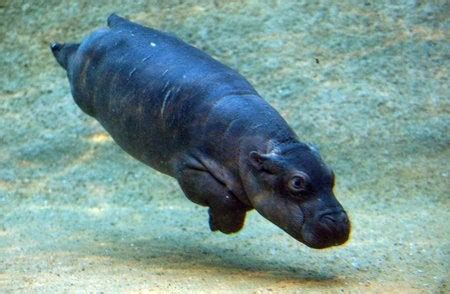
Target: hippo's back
150	90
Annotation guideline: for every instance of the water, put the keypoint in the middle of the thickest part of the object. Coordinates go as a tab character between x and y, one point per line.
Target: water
366	81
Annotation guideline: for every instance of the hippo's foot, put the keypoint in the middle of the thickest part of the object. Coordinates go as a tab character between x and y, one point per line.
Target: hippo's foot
226	221
226	211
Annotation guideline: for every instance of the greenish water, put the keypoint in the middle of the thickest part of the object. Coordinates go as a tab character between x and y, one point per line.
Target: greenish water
366	81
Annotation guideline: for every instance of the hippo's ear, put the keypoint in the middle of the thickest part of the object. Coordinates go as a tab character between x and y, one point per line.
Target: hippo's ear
257	159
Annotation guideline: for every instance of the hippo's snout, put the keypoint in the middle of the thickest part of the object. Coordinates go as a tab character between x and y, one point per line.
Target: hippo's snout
329	229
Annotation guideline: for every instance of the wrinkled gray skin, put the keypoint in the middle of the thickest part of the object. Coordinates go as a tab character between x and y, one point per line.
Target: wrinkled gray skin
183	113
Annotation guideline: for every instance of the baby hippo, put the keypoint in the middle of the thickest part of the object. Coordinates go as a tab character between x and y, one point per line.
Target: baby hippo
185	114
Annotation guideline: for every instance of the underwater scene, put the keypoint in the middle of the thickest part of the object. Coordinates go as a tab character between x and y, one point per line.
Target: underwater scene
365	84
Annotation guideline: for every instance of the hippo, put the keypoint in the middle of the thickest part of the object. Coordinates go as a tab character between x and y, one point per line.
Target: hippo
180	111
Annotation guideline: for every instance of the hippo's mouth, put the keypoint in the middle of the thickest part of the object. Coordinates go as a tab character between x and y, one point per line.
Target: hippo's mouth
330	230
316	228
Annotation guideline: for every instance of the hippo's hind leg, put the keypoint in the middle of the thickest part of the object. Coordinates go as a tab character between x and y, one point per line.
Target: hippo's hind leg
64	53
226	212
115	21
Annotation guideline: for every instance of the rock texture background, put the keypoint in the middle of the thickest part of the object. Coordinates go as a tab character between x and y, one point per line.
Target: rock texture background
367	81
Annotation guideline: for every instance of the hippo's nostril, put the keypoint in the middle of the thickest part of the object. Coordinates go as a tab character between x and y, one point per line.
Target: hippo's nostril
336	222
330	228
328	218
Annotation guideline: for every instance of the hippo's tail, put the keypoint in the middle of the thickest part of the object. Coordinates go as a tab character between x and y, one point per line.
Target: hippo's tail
64	53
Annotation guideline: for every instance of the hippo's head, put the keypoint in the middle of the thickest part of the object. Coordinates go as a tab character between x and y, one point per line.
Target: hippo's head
293	188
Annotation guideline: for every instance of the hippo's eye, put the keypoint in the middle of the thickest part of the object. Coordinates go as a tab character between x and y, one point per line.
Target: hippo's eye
298	183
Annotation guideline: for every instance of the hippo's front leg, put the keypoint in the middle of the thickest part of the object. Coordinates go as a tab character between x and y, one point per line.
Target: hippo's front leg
226	212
